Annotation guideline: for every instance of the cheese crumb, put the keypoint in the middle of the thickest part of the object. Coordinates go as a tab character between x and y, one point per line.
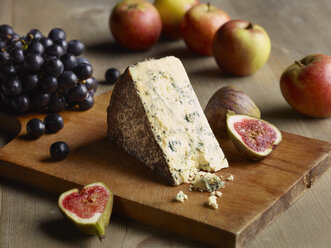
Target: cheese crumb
181	197
212	193
218	193
212	202
205	181
230	178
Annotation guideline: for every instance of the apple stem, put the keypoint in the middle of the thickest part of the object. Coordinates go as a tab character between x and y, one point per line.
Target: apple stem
133	6
249	26
299	63
208	7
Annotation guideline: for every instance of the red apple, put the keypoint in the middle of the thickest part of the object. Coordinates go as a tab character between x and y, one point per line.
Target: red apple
135	24
172	12
306	85
199	26
241	48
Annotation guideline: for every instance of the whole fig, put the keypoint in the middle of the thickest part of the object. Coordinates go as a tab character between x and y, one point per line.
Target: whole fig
226	99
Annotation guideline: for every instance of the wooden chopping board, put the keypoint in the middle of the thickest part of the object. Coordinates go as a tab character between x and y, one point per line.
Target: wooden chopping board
260	190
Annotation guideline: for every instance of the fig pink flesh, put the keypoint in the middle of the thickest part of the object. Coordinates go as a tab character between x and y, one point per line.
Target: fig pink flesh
256	134
87	201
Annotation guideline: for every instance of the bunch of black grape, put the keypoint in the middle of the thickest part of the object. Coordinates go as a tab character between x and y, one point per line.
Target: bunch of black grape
39	73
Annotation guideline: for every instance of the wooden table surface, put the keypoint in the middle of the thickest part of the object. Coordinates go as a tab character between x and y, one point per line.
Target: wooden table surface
30	218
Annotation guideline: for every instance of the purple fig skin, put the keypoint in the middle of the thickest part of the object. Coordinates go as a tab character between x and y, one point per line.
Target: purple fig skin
226	99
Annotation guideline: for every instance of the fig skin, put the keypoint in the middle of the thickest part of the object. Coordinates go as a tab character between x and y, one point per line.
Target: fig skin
228	98
244	149
98	227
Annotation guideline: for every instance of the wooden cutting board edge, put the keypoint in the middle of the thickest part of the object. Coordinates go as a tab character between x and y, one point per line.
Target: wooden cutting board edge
299	187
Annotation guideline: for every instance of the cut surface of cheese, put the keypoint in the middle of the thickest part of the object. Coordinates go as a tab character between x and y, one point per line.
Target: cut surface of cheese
154	115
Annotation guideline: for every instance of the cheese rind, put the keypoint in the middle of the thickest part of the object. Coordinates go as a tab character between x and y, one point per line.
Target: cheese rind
159	103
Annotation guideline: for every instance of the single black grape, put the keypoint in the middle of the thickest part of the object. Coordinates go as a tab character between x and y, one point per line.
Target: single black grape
8	70
63	44
90	83
40	99
112	75
21	103
53	123
48	83
79	93
6	32
87	103
68	80
82	60
57	103
34	34
16	55
55	50
69	61
30	82
54	67
35	128
34	61
13	43
83	71
12	87
57	34
4	58
59	150
36	47
46	42
76	47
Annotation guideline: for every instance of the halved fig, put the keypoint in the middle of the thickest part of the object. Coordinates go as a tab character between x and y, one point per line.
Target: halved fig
88	208
253	137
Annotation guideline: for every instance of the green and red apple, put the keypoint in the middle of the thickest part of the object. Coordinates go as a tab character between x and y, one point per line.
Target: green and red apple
135	24
199	26
306	85
172	12
241	48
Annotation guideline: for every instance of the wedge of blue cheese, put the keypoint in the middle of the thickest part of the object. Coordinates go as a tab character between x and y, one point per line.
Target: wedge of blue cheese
154	114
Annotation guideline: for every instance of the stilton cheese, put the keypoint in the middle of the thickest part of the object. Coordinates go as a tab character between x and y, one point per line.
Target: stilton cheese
207	182
218	193
181	197
212	202
230	178
155	115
